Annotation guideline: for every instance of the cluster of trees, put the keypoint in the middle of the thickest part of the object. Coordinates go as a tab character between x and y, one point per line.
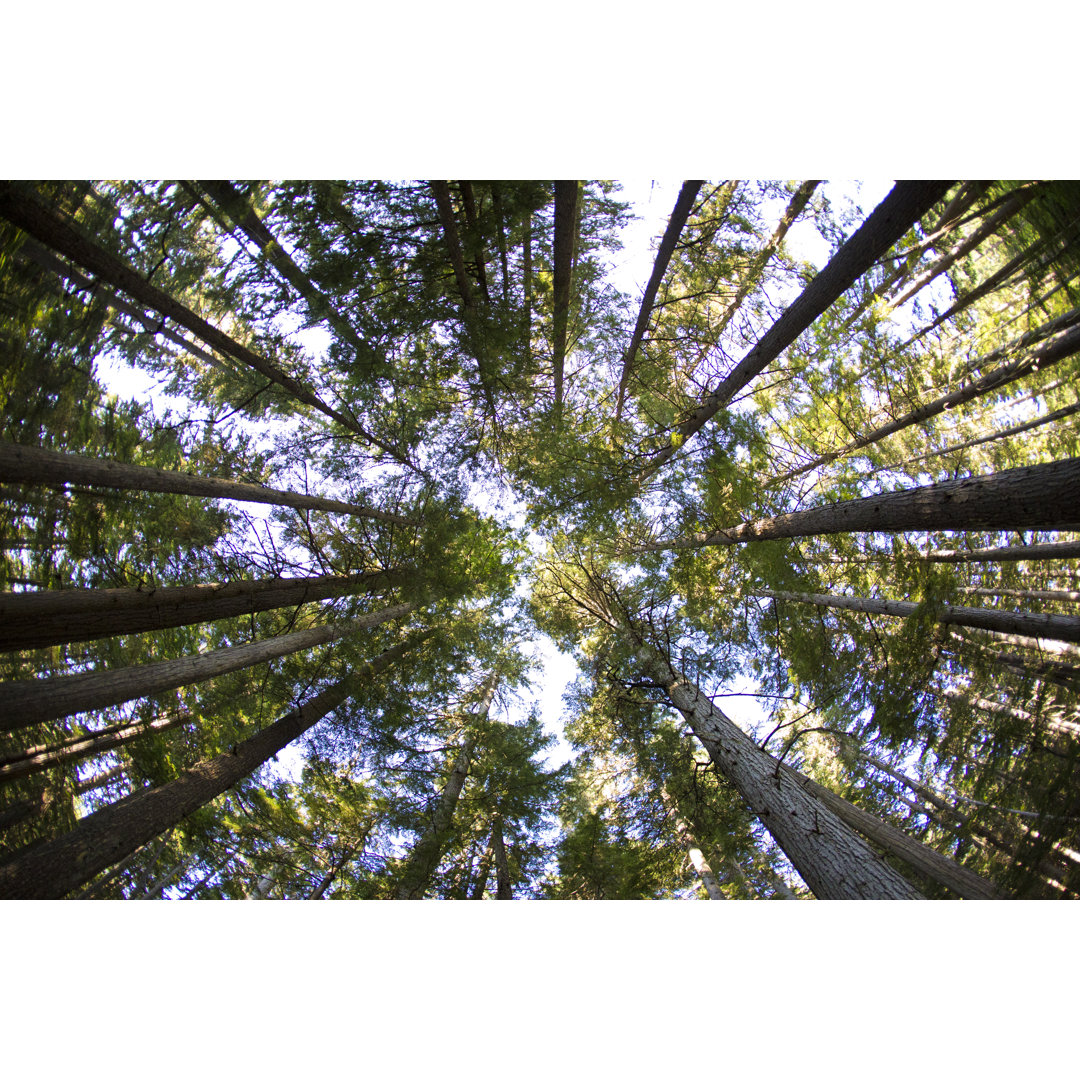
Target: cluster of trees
851	491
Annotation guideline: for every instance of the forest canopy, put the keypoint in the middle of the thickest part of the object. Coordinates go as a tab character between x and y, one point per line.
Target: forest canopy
270	630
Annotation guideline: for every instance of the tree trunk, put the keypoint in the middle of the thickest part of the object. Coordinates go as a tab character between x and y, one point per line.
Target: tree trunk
503	891
1057	627
482	872
242	216
753	272
472	220
919	856
424	857
567	193
679	216
1067	549
440	189
100	780
50	468
39	222
1065	596
1046	355
834	862
39	758
31	701
38	620
901	208
51	870
1036	497
32	252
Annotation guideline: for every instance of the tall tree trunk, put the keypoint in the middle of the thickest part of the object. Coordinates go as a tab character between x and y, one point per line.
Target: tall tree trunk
1046	355
472	220
50	468
39	758
834	862
526	284
567	193
31	701
440	190
503	890
1065	596
1035	497
39	222
760	261
901	208
500	217
51	870
100	780
679	216
241	215
424	857
37	620
1065	549
30	251
482	873
704	872
1056	627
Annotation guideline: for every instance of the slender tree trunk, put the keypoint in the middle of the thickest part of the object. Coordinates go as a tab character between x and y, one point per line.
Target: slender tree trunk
52	617
567	193
901	208
1012	205
835	862
704	872
472	220
753	272
679	216
39	758
503	890
51	870
482	873
50	468
32	252
1046	355
424	857
500	217
440	189
100	780
1066	549
242	216
1058	725
1057	627
31	701
1036	497
39	222
1065	596
526	283
24	810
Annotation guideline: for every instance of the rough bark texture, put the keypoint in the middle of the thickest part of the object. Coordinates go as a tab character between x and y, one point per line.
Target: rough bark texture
1056	627
1036	497
50	468
679	216
39	222
901	208
51	870
919	856
1066	549
440	190
833	861
36	620
30	701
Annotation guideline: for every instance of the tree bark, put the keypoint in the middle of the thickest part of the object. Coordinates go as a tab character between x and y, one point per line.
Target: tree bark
679	216
1035	497
424	857
833	861
567	193
1046	355
1065	596
503	890
100	780
35	219
242	216
1066	549
901	208
39	758
37	620
482	872
1055	627
31	701
50	468
51	870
